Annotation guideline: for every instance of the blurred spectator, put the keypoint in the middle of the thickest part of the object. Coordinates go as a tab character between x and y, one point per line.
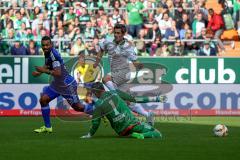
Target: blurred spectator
41	20
179	12
54	9
206	50
78	47
32	48
92	47
37	31
18	49
69	17
164	23
160	13
193	14
155	31
116	4
60	41
171	32
5	19
110	34
83	19
182	21
25	15
38	3
216	25
178	48
155	46
183	30
18	21
4	32
34	15
135	20
203	34
190	46
163	51
197	25
116	17
90	31
103	3
140	44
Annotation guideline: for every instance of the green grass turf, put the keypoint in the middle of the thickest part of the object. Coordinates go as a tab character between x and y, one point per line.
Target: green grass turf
184	138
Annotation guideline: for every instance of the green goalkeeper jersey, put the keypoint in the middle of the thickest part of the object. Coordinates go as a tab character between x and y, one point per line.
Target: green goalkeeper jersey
112	105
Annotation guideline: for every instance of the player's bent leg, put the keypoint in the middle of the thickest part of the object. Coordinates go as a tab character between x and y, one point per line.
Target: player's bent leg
47	96
138	108
146	131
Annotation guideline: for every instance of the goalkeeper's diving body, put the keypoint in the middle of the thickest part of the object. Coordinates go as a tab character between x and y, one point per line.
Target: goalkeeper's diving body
113	106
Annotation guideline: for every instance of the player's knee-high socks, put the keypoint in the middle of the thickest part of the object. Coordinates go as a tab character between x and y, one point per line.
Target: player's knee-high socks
46	115
138	108
111	85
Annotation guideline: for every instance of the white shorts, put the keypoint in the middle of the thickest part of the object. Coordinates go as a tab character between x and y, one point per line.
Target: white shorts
121	76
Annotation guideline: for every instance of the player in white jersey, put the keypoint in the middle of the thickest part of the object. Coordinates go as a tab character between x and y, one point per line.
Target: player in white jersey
120	52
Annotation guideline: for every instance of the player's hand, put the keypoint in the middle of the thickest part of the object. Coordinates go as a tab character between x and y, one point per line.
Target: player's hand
36	74
40	69
86	136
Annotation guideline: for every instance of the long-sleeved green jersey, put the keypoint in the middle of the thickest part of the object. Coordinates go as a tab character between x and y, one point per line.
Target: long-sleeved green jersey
112	105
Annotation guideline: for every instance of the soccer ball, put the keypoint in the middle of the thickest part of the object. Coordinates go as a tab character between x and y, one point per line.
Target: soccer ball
220	130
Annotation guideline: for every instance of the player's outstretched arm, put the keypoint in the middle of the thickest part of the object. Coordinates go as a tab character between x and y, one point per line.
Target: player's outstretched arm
55	72
37	73
95	125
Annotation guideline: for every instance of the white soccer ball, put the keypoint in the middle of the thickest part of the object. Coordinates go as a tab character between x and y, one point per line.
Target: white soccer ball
220	130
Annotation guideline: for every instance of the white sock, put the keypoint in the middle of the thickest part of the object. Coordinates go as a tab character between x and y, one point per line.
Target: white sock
138	108
111	85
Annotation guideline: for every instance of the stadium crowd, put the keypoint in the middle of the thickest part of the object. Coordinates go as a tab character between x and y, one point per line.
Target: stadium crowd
156	27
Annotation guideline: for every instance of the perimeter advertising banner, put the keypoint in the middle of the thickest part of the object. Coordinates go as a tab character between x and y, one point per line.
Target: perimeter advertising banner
194	86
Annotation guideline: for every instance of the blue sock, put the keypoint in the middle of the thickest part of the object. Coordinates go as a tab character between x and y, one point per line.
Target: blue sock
46	116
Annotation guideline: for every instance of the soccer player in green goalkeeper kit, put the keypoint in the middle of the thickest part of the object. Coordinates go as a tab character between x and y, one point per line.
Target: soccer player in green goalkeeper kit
112	105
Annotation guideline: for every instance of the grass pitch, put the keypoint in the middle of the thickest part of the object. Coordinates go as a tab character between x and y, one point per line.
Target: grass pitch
184	138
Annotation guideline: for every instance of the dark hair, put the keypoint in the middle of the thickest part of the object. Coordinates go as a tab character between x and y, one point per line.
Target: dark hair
210	10
46	38
98	86
121	26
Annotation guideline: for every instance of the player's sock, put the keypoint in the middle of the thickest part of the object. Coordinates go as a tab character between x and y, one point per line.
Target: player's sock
152	134
137	108
111	85
46	116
